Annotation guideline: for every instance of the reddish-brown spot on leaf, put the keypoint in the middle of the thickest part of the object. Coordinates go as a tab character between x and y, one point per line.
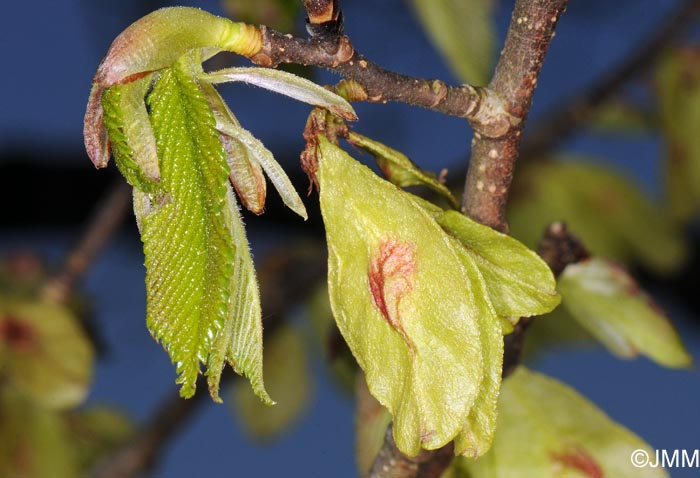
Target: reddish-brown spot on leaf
15	333
578	459
391	278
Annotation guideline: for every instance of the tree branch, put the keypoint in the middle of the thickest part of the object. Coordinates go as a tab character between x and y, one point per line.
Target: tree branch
493	159
484	109
107	217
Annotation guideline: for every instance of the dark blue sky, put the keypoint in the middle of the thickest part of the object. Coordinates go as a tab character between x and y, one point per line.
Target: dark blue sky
50	50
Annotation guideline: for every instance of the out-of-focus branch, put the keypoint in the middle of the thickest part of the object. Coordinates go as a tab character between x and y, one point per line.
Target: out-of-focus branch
493	159
558	124
108	215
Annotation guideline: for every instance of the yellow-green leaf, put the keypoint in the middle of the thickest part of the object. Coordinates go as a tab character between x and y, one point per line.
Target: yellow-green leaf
201	290
609	303
44	352
371	422
519	282
547	430
287	377
464	33
399	169
608	212
407	306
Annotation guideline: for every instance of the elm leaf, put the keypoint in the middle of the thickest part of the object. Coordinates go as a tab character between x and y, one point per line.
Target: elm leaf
547	430
44	352
609	303
286	84
198	272
519	282
399	169
404	302
286	375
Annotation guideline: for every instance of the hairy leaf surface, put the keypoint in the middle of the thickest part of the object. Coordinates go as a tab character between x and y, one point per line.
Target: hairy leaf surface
609	303
201	304
547	430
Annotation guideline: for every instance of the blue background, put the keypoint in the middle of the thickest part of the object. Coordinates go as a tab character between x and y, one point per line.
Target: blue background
50	50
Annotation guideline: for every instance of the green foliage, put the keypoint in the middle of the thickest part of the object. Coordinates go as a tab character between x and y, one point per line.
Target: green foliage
464	33
371	422
44	352
547	430
678	86
286	375
608	302
413	307
179	154
605	210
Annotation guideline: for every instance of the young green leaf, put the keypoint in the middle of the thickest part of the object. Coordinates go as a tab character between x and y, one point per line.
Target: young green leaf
44	352
405	303
286	375
286	84
201	305
518	281
547	430
464	32
399	169
153	43
608	302
371	422
604	209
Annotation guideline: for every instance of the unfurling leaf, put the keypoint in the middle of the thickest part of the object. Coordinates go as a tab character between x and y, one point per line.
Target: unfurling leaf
607	211
607	301
286	84
399	169
413	307
547	430
464	32
286	376
202	295
44	353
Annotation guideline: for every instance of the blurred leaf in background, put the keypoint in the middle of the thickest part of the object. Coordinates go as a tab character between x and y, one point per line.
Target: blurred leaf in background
621	116
287	377
464	33
608	302
678	89
607	211
280	15
371	422
547	430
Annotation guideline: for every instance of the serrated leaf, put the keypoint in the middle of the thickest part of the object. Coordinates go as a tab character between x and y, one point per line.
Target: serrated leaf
519	282
286	376
464	33
678	87
44	353
153	43
34	440
404	302
200	302
131	135
286	84
547	430
609	303
608	212
399	169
